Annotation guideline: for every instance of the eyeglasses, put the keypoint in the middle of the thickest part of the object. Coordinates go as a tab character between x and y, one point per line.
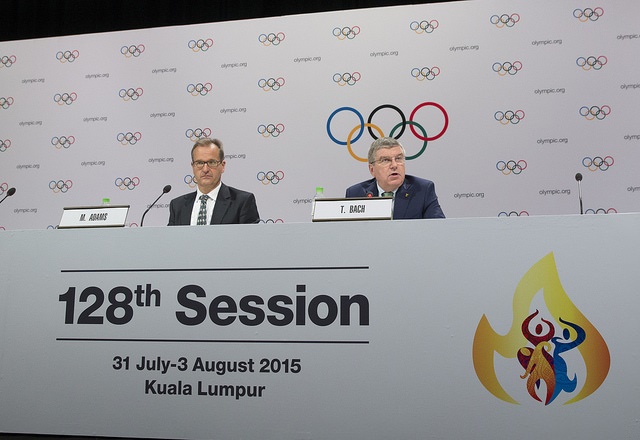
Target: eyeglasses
386	161
199	164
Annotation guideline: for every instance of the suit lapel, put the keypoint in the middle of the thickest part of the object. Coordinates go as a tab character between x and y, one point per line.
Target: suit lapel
185	213
222	205
401	201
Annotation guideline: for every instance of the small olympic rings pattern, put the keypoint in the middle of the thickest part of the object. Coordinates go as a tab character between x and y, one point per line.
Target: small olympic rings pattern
199	89
200	45
511	166
273	130
270	220
67	56
60	186
129	183
129	138
271	84
7	61
271	39
5	103
401	125
509	116
197	133
65	98
598	163
424	26
513	214
132	50
346	32
428	73
343	79
190	181
507	68
588	14
3	188
267	177
601	211
595	112
592	62
4	144
504	20
63	141
130	94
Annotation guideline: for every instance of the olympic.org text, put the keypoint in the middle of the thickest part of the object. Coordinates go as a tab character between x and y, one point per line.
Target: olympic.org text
235	156
633	188
166	70
31	81
161	160
391	53
23	123
554	192
553	141
546	42
302	201
96	75
96	119
629	86
307	59
159	206
468	196
25	210
35	166
463	48
232	65
224	111
549	91
162	115
93	163
632	137
628	37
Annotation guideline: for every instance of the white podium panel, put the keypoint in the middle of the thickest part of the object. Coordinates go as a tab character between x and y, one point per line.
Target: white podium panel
490	328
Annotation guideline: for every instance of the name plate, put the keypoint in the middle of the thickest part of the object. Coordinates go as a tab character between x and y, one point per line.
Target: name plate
364	208
112	216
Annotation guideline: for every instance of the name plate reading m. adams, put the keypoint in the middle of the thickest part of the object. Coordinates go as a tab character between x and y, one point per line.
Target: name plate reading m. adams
111	216
361	208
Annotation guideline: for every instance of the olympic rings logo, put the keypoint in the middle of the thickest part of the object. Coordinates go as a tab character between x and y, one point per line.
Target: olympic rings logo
597	163
273	130
503	68
270	220
3	188
130	94
190	181
271	84
132	51
60	186
514	214
346	32
271	39
67	56
587	14
199	89
504	20
424	26
7	61
425	73
5	103
601	211
127	183
402	125
592	62
65	98
509	116
197	133
346	78
129	138
268	177
62	141
595	112
200	45
511	166
4	144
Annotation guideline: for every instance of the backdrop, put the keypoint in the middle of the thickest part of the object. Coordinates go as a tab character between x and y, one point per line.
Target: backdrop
501	103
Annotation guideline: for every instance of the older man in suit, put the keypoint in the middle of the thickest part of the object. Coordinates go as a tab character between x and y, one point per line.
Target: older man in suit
413	197
213	202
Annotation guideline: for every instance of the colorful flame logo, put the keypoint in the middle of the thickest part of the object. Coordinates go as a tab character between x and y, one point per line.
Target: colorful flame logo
533	341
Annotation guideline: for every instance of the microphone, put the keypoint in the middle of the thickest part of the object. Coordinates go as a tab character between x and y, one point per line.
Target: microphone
579	179
369	194
11	191
165	190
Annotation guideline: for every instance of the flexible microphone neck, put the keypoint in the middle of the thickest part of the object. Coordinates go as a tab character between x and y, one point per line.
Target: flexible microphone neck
165	190
579	179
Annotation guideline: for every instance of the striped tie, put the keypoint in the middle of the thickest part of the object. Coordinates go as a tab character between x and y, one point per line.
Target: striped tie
202	214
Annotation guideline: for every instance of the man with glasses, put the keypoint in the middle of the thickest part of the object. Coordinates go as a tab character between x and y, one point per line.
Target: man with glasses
213	202
413	197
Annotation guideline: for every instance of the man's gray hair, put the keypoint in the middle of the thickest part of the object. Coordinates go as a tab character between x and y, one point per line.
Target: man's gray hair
383	142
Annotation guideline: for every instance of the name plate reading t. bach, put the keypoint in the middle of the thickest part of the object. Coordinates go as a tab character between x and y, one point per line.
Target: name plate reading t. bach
110	216
364	208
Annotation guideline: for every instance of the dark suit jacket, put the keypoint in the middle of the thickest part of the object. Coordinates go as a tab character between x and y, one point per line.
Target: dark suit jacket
232	206
416	197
